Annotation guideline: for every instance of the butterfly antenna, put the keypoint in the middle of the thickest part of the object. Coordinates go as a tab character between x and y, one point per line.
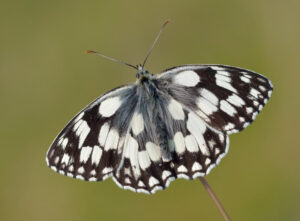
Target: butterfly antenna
109	58
156	39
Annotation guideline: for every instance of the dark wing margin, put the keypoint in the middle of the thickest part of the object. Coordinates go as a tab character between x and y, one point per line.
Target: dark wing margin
89	147
226	98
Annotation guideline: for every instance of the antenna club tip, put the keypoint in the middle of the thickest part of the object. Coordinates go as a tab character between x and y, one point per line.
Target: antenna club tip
168	21
88	52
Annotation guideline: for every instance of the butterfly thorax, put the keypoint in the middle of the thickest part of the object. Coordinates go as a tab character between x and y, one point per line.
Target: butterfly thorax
147	81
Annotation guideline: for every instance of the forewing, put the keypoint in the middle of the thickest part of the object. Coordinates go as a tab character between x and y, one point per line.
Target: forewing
226	98
90	146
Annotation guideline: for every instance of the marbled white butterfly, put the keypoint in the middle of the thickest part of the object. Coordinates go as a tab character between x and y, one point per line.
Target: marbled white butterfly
174	124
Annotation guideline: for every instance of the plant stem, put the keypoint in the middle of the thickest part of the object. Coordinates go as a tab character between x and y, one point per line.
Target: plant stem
215	199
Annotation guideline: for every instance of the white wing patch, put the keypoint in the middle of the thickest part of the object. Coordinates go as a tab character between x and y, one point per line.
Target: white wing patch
236	100
133	156
137	123
205	106
109	106
176	110
191	143
103	133
144	159
96	155
225	85
64	143
187	78
227	108
112	140
197	127
209	96
179	143
153	151
85	154
81	129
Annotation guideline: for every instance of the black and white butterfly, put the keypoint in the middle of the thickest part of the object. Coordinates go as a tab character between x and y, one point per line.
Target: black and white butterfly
174	124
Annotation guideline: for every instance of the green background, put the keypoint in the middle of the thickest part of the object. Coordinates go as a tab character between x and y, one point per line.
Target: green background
45	79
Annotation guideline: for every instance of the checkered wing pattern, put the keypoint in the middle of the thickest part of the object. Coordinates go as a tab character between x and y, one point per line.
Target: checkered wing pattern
174	126
227	98
90	146
166	141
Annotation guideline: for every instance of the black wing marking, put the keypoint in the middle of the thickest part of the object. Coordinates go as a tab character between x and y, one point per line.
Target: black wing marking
226	98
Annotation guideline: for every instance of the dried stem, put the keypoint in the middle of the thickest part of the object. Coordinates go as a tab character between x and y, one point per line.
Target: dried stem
215	199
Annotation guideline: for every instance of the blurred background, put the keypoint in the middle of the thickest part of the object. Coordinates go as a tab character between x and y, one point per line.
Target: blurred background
45	79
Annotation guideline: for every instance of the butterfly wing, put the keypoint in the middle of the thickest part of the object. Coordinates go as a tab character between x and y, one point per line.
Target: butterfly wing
90	146
226	98
166	141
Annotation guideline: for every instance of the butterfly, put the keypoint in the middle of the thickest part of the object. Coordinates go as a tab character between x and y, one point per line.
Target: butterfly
174	124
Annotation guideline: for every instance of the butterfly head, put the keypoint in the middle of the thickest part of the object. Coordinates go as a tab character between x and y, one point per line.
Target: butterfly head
143	75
